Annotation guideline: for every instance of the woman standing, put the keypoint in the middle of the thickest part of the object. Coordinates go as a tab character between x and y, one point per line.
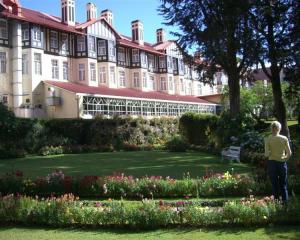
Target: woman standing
278	151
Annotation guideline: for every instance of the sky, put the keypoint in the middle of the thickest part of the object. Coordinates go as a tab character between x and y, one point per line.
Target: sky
124	12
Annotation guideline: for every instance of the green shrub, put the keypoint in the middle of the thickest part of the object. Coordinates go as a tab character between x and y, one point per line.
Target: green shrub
177	144
50	150
198	128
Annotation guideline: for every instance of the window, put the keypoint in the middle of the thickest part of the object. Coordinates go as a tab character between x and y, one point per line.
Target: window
2	62
122	79
81	70
3	29
102	75
121	54
175	64
151	82
145	79
199	89
135	55
93	72
112	74
189	90
163	84
112	49
65	71
170	62
162	62
38	64
102	47
136	79
55	71
81	43
24	64
53	39
151	61
144	58
92	46
181	65
182	85
64	42
25	32
36	32
171	85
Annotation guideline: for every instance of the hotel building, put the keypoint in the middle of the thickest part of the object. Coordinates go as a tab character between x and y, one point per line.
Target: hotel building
54	67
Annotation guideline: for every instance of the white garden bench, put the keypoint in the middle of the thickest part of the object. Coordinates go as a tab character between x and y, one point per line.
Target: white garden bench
232	153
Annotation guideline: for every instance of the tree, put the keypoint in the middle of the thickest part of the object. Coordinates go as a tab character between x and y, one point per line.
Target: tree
220	30
271	24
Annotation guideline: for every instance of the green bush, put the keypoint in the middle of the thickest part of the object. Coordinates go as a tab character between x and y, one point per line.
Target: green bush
50	150
198	128
177	144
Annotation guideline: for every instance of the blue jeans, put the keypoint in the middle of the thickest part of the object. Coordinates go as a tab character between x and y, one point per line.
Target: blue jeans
278	175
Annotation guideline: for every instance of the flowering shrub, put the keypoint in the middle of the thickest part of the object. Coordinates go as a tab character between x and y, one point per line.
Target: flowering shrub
119	185
67	211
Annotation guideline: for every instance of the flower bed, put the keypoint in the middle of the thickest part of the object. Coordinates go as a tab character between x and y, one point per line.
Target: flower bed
117	186
65	211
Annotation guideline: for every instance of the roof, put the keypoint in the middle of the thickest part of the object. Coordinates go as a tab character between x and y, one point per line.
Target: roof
124	92
146	47
41	19
92	21
259	74
163	46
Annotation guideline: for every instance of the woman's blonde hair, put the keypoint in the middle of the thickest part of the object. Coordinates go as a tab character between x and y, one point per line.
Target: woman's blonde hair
276	125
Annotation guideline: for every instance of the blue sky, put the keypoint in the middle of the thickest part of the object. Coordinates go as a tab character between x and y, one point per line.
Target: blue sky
124	12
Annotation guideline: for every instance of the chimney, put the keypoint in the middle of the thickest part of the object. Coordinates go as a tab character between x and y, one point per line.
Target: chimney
68	12
91	11
160	35
108	15
137	32
13	6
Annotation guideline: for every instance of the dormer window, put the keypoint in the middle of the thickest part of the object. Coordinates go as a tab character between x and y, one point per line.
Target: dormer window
64	42
162	62
92	46
81	43
25	32
121	54
3	29
53	39
135	55
102	47
36	32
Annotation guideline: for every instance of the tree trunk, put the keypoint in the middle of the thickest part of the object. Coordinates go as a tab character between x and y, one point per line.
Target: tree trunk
234	94
280	108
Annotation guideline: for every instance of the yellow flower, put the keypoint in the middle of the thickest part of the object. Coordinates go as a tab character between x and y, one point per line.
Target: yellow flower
265	217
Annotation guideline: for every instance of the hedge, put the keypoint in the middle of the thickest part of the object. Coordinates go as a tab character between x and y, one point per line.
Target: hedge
65	211
136	188
198	128
81	135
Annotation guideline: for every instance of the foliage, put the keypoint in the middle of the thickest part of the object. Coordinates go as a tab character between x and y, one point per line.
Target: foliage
57	136
220	31
198	128
119	185
67	211
177	144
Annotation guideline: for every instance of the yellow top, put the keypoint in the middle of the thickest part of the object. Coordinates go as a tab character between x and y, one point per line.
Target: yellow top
277	148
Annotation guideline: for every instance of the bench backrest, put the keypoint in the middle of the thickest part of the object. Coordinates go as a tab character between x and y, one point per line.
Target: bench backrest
234	149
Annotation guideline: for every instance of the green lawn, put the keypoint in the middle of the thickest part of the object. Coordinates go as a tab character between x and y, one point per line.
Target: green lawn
131	163
268	233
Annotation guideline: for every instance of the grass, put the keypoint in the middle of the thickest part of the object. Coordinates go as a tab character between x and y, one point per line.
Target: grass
268	233
131	163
